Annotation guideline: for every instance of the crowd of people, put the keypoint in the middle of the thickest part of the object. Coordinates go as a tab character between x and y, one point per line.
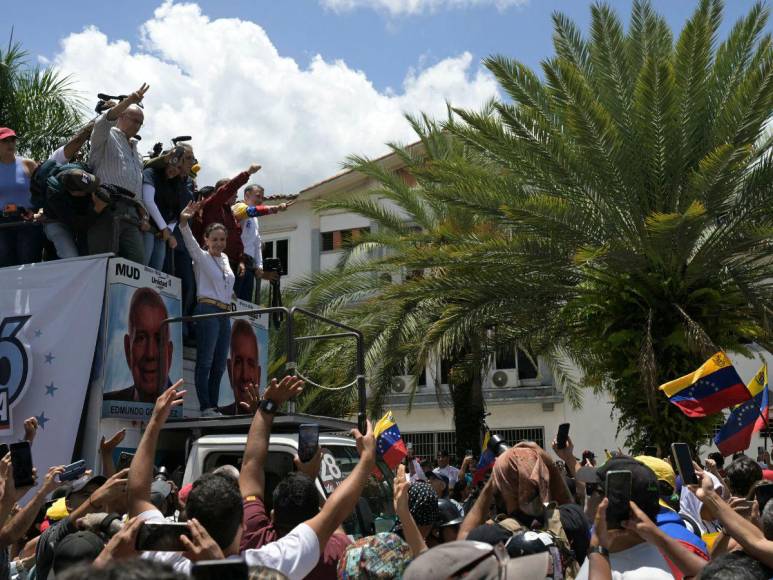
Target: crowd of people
96	194
535	515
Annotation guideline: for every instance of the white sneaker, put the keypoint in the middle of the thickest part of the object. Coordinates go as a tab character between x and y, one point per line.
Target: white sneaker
211	413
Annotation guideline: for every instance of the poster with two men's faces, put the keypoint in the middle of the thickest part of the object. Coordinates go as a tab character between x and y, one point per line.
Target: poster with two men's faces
135	367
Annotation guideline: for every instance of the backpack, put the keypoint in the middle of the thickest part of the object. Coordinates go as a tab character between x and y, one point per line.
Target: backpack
44	177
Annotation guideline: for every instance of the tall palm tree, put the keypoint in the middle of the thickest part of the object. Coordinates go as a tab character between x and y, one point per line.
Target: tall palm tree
619	209
38	103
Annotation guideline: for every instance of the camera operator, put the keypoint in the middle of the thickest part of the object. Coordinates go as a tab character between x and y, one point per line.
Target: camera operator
22	244
247	212
115	160
163	191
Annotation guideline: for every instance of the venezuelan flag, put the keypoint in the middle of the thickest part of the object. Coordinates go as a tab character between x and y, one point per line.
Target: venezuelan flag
746	418
389	442
713	387
485	463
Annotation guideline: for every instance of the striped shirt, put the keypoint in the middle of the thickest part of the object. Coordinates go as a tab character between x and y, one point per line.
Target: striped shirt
114	158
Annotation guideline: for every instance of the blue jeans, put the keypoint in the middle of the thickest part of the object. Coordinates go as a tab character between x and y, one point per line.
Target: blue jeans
155	250
212	339
21	245
62	238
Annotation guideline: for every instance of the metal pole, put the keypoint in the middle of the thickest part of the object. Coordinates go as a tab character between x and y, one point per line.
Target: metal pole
292	364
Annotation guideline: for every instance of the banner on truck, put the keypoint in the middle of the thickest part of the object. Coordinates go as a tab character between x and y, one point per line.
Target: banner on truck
247	359
138	299
49	321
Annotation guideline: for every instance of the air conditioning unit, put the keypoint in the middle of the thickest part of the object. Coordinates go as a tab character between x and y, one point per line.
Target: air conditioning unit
403	383
504	378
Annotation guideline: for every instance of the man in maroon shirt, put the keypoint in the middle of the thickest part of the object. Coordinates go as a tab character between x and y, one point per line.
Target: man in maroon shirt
217	209
296	498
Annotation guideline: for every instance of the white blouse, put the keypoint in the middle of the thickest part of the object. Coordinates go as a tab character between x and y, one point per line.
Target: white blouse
214	277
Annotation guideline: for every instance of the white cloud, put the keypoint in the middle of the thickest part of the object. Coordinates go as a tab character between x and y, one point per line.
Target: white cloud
223	82
403	7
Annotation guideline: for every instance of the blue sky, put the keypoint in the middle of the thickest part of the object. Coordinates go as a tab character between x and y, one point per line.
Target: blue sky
296	85
382	45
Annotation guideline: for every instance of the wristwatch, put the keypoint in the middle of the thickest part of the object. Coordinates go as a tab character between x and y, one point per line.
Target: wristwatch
269	406
599	550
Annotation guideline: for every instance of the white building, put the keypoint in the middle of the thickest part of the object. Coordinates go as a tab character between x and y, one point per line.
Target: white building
524	402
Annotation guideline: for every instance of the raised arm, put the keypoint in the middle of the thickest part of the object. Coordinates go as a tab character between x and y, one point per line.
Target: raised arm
72	147
252	478
141	471
344	499
191	244
410	529
478	512
106	448
132	99
226	191
15	529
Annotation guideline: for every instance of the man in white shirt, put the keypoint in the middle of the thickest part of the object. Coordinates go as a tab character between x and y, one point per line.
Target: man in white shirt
445	468
214	505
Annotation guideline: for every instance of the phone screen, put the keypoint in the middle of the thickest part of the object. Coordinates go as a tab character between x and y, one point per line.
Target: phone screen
220	570
763	494
73	471
562	436
308	441
683	460
618	487
162	537
124	460
21	459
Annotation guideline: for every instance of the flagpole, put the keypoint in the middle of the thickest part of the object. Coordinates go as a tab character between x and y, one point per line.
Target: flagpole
761	414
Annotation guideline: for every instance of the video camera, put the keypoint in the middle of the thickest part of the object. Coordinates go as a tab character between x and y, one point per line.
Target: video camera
158	148
272	265
104	99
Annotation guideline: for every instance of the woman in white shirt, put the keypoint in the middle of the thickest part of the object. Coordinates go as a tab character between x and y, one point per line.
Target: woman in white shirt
214	289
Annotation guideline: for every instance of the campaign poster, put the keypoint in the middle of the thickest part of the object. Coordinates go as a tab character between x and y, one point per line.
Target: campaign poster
138	299
247	359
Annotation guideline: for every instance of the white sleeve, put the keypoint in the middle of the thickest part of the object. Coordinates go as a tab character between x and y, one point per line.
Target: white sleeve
59	157
149	199
295	555
258	249
191	244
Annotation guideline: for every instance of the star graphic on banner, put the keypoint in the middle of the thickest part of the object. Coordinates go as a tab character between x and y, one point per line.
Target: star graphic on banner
38	332
50	358
42	419
51	389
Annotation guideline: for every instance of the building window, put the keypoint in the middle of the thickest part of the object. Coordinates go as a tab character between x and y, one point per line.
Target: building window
278	249
427	444
339	239
515	358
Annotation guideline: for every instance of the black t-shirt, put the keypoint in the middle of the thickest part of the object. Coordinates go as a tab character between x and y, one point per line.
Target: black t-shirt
169	192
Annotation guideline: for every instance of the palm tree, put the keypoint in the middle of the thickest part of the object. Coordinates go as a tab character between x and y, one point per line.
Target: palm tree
619	213
38	103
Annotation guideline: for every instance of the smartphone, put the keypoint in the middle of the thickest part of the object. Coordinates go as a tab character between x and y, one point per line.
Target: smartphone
308	441
760	451
562	436
219	570
21	460
409	446
651	450
124	460
161	537
763	493
683	460
618	486
468	452
73	471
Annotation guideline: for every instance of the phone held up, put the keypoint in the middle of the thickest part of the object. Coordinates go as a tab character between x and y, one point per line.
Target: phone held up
308	441
563	435
158	537
21	461
683	460
618	488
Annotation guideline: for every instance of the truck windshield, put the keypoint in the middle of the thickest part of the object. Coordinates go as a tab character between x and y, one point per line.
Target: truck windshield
375	511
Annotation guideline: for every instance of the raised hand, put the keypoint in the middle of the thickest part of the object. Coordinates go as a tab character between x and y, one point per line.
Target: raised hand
283	391
200	546
168	400
366	444
30	429
51	482
111	492
311	467
600	535
106	447
400	491
252	394
254	168
121	545
640	523
189	211
139	94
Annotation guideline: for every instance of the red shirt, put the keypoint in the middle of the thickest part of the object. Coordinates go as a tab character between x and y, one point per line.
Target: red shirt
217	210
767	474
259	530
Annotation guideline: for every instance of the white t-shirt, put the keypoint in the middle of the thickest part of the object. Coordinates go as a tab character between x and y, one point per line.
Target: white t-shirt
214	277
641	562
690	505
451	472
295	555
59	157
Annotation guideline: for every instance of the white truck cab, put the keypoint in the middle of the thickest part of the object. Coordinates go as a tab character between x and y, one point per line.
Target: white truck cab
213	442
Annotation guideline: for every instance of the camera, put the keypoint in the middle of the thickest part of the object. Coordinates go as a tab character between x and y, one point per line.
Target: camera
497	445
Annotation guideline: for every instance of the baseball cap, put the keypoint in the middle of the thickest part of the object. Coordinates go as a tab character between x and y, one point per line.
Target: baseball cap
81	483
78	180
422	503
6	132
662	469
473	560
75	548
159	491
